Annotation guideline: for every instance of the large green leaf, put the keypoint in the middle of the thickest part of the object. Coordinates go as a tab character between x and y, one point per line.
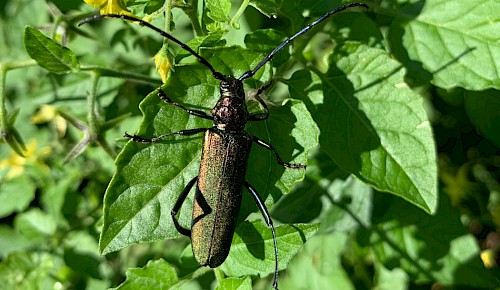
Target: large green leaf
457	41
149	178
372	124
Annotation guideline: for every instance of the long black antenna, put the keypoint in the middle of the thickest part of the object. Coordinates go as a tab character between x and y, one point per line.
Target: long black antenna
250	73
215	73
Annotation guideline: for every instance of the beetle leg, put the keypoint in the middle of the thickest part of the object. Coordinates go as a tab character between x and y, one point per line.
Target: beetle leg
196	113
177	207
260	116
188	132
269	222
270	147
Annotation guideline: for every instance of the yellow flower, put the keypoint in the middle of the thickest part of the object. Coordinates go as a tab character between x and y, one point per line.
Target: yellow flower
163	65
48	113
15	164
488	258
109	6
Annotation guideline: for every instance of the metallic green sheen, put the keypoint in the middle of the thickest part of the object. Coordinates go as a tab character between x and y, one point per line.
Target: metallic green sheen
218	194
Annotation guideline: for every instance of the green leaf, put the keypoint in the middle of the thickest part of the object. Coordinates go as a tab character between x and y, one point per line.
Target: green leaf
482	109
213	39
394	279
252	250
266	7
348	198
48	53
157	274
372	124
457	42
267	40
16	195
35	224
27	270
12	241
429	249
150	177
218	10
235	284
319	265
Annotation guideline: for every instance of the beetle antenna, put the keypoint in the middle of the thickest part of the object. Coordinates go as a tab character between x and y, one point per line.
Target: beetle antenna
141	22
250	73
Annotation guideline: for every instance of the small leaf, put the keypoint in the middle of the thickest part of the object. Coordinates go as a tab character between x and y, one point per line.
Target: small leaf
157	274
267	7
48	53
456	41
252	250
16	195
35	224
218	10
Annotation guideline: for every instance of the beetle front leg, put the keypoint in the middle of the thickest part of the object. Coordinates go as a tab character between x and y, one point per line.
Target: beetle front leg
196	113
269	222
270	147
260	116
178	205
189	132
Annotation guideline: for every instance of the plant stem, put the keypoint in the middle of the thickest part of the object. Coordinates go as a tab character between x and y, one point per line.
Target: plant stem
4	68
107	72
192	13
91	106
236	17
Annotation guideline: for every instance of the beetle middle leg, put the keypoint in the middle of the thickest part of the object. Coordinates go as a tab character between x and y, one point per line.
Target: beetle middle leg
188	132
270	147
267	218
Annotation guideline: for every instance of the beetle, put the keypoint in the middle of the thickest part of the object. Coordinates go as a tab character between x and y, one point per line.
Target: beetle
225	150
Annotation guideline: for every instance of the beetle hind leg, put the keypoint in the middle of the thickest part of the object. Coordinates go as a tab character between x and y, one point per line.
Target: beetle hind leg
267	218
178	204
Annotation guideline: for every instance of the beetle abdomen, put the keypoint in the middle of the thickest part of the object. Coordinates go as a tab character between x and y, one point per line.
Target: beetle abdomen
218	194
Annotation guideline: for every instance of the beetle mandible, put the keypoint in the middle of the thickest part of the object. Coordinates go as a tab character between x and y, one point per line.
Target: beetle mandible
225	151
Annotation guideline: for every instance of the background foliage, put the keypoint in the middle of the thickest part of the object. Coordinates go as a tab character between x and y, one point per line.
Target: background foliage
380	92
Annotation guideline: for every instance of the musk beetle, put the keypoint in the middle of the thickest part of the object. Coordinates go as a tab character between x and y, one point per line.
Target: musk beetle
225	151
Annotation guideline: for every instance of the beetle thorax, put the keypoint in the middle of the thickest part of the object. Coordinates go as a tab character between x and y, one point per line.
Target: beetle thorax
230	112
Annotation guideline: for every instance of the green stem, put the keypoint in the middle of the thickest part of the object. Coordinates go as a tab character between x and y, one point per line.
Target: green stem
3	109
219	275
192	13
238	14
107	72
4	68
168	17
91	106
